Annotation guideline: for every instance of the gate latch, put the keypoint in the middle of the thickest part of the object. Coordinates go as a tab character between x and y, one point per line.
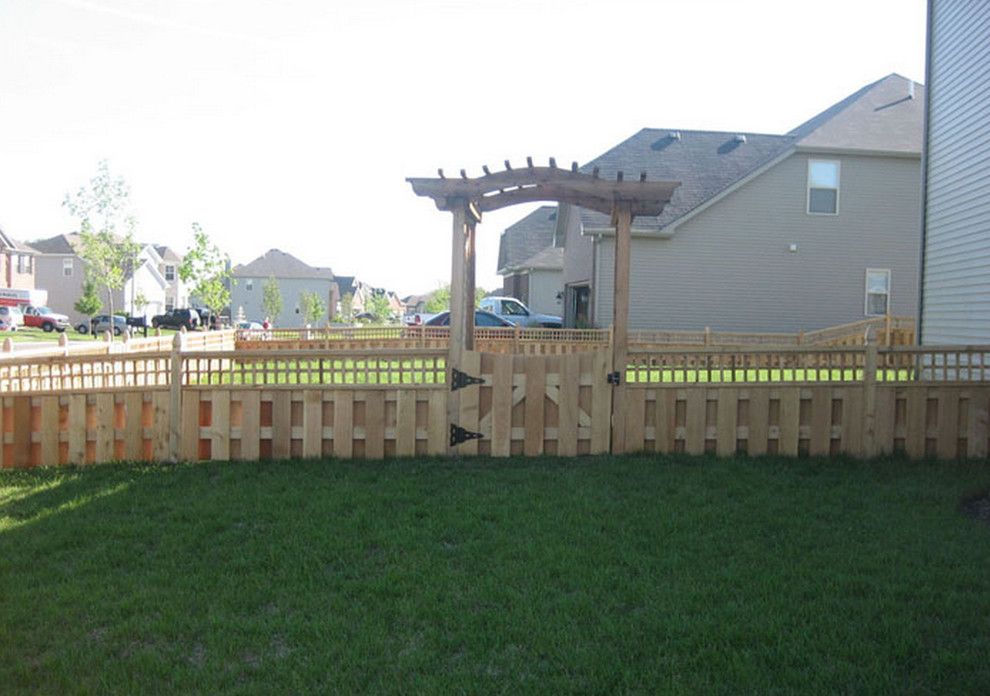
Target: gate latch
459	435
459	380
614	378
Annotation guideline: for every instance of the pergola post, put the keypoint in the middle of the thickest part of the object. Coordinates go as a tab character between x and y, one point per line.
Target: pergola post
470	232
622	218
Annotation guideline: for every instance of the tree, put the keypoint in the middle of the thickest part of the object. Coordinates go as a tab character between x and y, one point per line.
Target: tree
378	307
106	231
347	307
207	269
313	307
479	295
89	303
271	298
439	301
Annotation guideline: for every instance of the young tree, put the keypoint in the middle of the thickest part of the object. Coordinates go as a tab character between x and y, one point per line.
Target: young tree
312	307
347	307
439	301
106	231
378	307
89	303
207	269
271	298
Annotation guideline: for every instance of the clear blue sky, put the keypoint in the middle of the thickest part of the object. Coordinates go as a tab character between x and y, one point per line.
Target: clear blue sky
293	123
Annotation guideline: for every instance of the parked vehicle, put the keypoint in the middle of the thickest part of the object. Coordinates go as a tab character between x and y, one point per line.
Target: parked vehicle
250	325
417	318
176	319
45	319
512	310
481	318
101	323
12	315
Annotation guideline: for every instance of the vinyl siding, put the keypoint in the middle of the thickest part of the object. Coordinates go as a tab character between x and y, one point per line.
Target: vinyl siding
730	266
544	286
956	295
291	290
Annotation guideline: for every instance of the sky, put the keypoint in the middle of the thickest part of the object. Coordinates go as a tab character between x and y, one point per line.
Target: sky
292	124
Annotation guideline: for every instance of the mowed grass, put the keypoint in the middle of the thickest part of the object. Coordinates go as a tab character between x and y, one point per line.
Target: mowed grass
596	575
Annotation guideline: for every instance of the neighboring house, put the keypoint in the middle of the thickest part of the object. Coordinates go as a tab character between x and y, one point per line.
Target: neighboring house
16	264
532	268
176	292
294	277
808	229
61	271
955	297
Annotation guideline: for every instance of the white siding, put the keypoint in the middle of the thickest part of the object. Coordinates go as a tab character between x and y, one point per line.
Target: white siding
956	274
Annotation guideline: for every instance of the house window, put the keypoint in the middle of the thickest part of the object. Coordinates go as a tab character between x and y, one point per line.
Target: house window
170	273
877	291
22	263
67	267
249	284
823	187
169	304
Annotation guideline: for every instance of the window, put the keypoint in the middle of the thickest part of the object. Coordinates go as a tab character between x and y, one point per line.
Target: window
67	267
511	308
169	272
823	187
22	263
877	291
249	284
169	304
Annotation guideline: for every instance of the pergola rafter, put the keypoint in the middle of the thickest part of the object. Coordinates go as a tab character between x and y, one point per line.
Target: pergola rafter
468	198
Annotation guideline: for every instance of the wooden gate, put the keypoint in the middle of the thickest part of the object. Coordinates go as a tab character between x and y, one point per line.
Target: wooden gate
531	404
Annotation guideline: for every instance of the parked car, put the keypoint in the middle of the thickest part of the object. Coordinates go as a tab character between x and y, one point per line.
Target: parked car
101	323
511	309
177	318
417	318
12	315
250	325
45	319
481	318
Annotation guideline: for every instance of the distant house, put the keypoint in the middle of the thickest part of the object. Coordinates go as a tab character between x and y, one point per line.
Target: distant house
176	292
955	297
532	268
294	277
815	227
16	264
61	271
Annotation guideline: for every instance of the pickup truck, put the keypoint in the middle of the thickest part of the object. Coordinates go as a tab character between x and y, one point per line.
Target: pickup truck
45	319
514	311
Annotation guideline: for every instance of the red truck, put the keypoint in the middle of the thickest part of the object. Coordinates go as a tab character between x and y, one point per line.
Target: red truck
45	319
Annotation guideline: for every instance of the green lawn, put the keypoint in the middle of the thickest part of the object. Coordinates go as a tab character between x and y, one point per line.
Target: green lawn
597	575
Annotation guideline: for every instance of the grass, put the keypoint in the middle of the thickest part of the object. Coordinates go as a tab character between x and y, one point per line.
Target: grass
601	575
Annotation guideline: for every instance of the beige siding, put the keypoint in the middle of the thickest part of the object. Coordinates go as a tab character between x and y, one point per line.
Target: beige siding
544	286
730	267
63	291
956	303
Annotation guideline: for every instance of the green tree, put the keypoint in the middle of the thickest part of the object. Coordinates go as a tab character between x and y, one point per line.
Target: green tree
271	298
207	269
439	301
347	307
89	303
479	295
313	307
106	231
378	307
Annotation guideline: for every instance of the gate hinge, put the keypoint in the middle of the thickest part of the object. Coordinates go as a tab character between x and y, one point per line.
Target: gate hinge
459	435
614	378
459	380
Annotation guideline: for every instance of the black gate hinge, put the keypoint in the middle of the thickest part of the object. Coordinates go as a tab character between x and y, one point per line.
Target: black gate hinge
459	380
459	435
614	378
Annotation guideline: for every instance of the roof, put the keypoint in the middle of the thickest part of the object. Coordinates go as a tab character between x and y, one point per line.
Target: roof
550	259
167	253
527	237
8	242
59	244
280	264
705	162
346	285
884	116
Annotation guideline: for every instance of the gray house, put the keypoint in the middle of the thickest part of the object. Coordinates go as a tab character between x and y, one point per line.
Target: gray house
955	298
293	276
812	228
532	268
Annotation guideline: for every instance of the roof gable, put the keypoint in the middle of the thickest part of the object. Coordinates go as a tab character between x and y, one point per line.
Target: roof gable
527	237
280	264
59	244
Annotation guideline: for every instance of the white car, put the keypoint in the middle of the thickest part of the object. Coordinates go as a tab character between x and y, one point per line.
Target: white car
12	316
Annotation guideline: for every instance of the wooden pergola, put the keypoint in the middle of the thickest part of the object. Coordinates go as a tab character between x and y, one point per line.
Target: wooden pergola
468	198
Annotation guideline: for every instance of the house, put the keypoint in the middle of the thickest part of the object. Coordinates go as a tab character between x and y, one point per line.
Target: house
811	228
955	296
16	264
60	269
176	292
532	268
294	277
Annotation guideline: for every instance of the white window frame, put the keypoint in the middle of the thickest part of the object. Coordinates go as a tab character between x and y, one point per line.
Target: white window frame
866	291
249	284
838	187
170	271
67	268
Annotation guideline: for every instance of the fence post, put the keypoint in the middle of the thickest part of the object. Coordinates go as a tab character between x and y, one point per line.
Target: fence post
516	331
800	337
708	335
8	345
886	330
870	447
175	397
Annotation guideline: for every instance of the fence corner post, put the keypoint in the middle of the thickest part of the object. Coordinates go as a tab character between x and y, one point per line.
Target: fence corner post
175	397
870	445
8	345
708	335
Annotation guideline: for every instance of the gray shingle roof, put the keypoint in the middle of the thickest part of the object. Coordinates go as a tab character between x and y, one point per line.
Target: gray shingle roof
550	259
280	265
529	236
346	285
167	253
8	242
59	244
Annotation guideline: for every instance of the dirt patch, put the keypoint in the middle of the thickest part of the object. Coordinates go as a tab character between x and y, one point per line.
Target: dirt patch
978	507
